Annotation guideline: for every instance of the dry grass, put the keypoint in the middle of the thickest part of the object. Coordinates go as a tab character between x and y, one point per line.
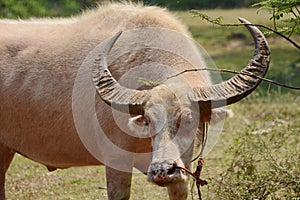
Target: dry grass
276	119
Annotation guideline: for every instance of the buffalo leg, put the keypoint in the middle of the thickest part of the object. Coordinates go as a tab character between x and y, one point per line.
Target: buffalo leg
6	156
178	191
118	184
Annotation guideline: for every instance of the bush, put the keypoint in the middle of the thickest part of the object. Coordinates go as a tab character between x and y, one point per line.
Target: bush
262	160
41	8
196	4
258	173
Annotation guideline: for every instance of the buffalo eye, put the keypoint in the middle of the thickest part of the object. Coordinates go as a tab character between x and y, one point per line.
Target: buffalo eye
142	120
147	120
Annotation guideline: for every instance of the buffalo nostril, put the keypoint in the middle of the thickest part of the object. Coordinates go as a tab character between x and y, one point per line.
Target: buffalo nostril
171	170
154	172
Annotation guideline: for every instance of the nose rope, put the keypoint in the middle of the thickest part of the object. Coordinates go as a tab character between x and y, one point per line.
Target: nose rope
196	175
204	139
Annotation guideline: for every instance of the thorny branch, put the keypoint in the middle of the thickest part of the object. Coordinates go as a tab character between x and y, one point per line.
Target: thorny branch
234	72
217	21
151	83
269	29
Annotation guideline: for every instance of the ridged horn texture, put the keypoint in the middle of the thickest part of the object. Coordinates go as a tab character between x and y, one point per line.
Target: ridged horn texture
110	91
240	85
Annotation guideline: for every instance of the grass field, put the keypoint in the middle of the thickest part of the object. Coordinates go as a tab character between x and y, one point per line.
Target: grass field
256	157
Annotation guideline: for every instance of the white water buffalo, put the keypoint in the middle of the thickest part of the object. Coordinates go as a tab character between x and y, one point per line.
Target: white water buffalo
40	60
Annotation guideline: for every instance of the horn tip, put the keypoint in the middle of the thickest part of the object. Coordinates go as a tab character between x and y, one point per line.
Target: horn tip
116	37
111	43
244	21
118	34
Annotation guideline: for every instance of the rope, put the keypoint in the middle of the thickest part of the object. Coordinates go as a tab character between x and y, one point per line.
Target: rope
196	175
204	139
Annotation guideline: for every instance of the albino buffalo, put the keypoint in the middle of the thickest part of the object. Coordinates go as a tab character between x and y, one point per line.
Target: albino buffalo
49	66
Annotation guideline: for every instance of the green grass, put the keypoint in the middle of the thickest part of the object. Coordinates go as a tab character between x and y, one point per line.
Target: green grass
242	165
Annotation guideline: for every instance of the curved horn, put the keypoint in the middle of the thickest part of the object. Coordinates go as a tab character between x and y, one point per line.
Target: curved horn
240	85
110	91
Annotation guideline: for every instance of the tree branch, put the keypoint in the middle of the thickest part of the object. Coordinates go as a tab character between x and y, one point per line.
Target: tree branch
234	72
217	21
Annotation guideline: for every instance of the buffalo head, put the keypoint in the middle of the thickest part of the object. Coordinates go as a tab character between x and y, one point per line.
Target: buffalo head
170	121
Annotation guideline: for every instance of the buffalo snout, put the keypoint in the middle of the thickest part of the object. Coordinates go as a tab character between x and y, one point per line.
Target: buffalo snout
165	173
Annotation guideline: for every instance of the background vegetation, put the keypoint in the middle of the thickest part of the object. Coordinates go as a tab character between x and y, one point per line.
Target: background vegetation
257	155
42	8
27	8
196	4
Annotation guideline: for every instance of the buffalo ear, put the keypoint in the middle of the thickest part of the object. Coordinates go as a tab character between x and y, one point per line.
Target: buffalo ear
220	114
216	115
